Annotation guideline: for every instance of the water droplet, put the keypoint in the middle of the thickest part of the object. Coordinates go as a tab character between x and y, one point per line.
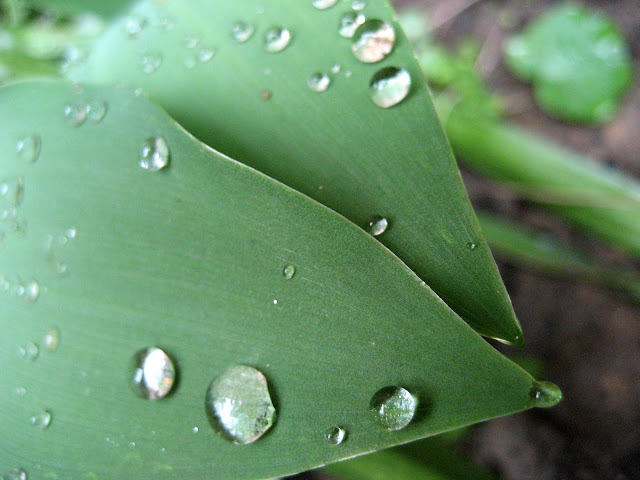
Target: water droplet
318	82
324	4
31	291
266	95
133	26
239	406
394	407
335	69
28	147
275	301
335	435
358	4
195	429
51	340
153	373
349	23
96	110
20	391
389	86
30	351
276	39
71	233
75	113
289	271
471	245
150	62
16	474
205	54
373	41
190	62
377	225
191	42
58	265
154	155
241	32
544	394
41	420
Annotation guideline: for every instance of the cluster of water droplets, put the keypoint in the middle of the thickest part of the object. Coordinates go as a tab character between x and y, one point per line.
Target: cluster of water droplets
76	113
11	198
54	246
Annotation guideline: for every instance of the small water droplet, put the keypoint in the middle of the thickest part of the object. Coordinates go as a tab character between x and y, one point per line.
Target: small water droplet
275	301
544	394
373	41
358	4
191	42
335	435
266	95
324	4
59	267
133	26
51	340
394	407
150	62
153	373
389	86
190	62
241	32
71	233
289	271
239	406
28	147
41	420
335	69
75	113
20	391
276	39
205	54
377	225
349	23
30	351
96	110
31	291
195	429
318	82
132	444
155	154
471	245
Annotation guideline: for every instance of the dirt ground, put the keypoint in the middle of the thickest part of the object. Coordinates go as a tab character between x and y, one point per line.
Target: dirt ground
588	338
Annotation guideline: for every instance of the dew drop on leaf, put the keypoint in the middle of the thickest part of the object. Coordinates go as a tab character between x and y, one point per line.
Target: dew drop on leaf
15	474
205	54
30	351
155	154
358	4
75	113
289	271
377	225
335	435
41	420
394	407
28	147
150	62
31	291
544	394
324	4
96	110
133	26
389	86
318	82
276	39
373	41
241	32
51	340
349	23
471	245
239	406
153	373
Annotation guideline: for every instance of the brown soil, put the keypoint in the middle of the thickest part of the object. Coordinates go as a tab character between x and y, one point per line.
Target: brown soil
588	338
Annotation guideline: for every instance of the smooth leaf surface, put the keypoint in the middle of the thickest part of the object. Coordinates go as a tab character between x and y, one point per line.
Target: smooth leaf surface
578	61
337	146
191	259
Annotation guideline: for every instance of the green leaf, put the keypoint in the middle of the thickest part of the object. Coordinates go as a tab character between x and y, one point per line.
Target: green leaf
337	146
191	258
577	60
107	8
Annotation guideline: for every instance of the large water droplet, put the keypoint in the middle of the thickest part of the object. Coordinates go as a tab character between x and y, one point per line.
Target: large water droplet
51	340
28	147
16	474
389	86
96	110
241	32
153	373
155	154
150	62
349	23
318	82
394	407
544	394
373	41
276	39
41	420
289	271
335	435
75	113
377	225
239	406
324	4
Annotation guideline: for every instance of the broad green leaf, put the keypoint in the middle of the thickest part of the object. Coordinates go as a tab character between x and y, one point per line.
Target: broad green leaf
577	60
336	146
191	258
600	200
547	254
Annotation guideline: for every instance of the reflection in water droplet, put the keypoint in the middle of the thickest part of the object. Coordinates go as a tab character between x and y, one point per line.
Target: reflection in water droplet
28	148
389	86
96	110
153	373
349	23
75	113
377	225
155	154
289	271
241	32
471	245
239	406
373	41
323	4
394	407
41	420
276	39
335	435
31	291
544	394
51	340
318	82
358	4
150	62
